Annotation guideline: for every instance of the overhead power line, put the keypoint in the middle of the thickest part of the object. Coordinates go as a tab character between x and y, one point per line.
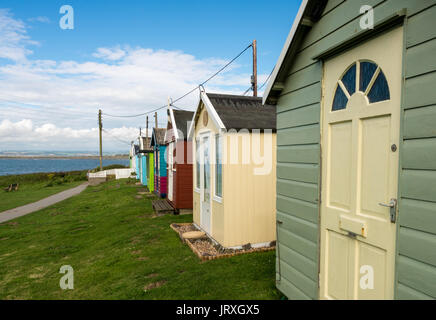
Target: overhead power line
186	94
260	88
267	79
116	138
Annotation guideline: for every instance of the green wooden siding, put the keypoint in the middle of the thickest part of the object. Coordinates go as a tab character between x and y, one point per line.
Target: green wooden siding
298	150
416	260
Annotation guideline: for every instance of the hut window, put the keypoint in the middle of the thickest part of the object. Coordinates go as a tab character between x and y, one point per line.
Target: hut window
380	89
372	83
218	166
197	163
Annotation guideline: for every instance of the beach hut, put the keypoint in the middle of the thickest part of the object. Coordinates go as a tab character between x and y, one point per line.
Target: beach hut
136	161
150	171
132	154
356	172
179	159
144	150
160	163
234	144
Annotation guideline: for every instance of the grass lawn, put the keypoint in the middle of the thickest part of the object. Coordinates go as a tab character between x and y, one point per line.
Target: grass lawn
34	187
119	250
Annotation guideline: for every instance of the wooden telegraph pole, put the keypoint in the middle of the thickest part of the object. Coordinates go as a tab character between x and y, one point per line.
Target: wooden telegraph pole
146	130
254	77
100	127
155	118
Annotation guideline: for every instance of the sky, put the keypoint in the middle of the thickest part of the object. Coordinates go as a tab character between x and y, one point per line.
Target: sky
124	57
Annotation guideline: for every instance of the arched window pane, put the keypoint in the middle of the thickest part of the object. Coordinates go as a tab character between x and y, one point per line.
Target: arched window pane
340	101
367	70
379	90
349	80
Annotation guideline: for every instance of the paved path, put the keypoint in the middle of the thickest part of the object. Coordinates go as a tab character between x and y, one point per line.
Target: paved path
41	204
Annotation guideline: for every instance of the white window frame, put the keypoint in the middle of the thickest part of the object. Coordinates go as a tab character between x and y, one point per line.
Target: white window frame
216	197
197	145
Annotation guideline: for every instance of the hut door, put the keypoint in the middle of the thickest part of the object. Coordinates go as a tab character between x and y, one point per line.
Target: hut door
360	138
170	170
205	184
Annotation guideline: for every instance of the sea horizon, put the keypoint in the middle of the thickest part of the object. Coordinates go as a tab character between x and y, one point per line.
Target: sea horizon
28	165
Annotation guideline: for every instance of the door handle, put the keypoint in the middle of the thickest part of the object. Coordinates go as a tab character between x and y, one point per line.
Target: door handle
392	205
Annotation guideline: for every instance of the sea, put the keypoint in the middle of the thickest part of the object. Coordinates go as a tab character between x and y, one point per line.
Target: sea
34	165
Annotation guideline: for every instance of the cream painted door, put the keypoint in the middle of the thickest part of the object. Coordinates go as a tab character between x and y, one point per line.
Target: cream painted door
360	137
205	220
170	170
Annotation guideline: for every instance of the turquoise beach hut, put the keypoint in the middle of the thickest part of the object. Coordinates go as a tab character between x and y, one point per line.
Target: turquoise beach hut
160	163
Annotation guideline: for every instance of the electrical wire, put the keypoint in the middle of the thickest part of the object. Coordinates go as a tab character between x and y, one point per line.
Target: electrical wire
260	88
247	91
267	79
116	138
186	94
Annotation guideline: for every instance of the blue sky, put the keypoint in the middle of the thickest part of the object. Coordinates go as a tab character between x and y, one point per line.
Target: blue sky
112	39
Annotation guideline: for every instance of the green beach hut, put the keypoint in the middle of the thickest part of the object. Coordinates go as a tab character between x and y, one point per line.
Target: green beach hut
355	93
144	150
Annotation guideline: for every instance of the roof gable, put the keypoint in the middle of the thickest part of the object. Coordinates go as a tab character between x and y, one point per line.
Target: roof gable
310	11
158	137
235	112
242	112
145	144
180	122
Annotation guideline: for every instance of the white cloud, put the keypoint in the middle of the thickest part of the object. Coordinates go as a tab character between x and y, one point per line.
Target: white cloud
14	134
13	38
109	54
41	19
62	97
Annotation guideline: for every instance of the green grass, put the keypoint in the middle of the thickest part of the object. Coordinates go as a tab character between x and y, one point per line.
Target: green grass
117	248
36	186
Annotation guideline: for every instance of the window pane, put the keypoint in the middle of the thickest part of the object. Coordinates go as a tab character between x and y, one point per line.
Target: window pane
197	162
340	101
349	80
379	90
206	169
218	166
367	70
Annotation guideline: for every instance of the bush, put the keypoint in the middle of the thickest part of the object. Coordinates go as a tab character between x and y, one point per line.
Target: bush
50	178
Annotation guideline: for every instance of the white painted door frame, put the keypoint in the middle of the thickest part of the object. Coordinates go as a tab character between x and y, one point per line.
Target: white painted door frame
205	199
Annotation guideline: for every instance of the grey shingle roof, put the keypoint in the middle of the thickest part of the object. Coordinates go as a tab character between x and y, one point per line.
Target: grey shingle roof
241	112
182	119
147	144
158	137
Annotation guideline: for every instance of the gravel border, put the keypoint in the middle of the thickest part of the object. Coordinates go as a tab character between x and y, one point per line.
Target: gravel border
206	249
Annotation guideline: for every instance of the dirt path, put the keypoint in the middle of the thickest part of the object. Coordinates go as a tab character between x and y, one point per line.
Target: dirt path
41	204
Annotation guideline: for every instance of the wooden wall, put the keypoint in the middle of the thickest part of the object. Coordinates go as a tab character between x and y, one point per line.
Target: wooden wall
182	184
298	150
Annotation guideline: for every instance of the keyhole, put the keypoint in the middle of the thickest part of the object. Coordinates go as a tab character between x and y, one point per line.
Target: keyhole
394	147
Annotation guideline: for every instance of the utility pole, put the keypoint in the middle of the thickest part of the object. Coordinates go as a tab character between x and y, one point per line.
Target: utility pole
146	132
100	127
254	76
155	118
